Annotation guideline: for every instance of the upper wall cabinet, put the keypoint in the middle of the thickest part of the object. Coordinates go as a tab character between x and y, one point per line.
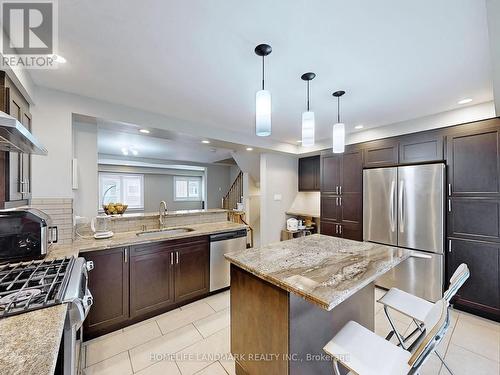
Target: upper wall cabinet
309	173
330	174
421	147
380	153
473	163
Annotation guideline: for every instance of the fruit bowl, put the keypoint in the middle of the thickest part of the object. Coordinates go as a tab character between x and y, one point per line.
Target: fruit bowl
114	208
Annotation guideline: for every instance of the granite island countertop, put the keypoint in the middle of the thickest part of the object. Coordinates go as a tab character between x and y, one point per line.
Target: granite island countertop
29	342
322	269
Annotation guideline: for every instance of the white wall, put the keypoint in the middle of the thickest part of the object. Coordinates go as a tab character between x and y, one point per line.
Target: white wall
218	184
278	188
85	151
493	11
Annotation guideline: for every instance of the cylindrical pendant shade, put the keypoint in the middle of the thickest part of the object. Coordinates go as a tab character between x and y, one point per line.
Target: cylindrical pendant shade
338	138
307	129
263	113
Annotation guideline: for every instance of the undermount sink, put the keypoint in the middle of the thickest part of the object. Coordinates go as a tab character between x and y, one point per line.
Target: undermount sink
165	231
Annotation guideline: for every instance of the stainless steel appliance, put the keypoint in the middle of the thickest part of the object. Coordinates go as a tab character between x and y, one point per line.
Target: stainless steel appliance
25	234
25	287
404	206
221	244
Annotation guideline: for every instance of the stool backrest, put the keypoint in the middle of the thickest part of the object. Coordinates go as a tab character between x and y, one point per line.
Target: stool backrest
436	322
458	279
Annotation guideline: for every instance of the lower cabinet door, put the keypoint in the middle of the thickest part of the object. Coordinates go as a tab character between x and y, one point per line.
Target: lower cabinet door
108	283
151	281
352	231
192	267
482	290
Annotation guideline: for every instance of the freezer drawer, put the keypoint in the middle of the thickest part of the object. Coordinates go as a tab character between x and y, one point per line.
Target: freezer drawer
420	275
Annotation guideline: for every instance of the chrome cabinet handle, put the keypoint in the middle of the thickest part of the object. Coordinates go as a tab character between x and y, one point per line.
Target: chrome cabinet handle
340	200
449	190
401	206
449	205
337	201
340	189
336	189
171	258
177	257
125	255
340	229
449	246
336	229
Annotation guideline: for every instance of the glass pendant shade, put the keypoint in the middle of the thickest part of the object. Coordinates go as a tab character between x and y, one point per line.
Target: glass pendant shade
338	138
263	113
307	129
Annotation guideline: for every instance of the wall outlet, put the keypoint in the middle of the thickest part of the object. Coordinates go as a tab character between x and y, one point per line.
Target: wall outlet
277	197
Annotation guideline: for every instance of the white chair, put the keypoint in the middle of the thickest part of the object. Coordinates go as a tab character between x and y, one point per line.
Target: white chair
417	308
364	353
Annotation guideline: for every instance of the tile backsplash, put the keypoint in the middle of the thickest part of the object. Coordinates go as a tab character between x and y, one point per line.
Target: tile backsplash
61	212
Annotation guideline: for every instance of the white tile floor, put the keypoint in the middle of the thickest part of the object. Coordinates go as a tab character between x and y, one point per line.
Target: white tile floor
194	339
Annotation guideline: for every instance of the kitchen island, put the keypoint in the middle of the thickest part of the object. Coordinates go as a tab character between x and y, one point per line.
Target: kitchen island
290	298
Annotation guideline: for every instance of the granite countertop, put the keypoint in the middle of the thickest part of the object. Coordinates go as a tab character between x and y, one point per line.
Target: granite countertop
29	343
83	245
322	269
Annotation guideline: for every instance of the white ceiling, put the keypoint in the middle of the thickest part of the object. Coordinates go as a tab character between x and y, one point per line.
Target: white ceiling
194	59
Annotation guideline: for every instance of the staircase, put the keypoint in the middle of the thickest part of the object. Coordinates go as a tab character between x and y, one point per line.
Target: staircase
234	194
230	202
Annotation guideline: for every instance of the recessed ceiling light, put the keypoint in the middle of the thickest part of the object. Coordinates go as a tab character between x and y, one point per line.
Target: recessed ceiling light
249	148
58	58
359	127
134	152
465	101
124	151
299	141
145	131
205	141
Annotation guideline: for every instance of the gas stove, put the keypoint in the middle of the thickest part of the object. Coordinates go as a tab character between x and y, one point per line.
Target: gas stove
38	284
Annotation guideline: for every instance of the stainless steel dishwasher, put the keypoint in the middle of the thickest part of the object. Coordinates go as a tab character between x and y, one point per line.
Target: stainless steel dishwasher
220	244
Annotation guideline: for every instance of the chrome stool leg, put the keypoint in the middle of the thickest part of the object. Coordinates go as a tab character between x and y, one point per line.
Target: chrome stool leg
336	370
400	339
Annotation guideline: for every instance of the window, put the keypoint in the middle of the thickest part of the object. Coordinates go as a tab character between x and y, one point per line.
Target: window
187	188
123	188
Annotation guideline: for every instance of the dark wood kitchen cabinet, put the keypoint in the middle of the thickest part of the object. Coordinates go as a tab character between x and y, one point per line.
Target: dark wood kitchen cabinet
15	185
473	213
309	173
342	194
151	278
109	285
381	153
482	290
421	148
192	278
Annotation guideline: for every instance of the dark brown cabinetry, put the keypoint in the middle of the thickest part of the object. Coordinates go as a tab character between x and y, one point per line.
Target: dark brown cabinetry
342	194
309	173
15	184
381	153
137	282
421	147
473	207
151	278
192	270
109	285
482	289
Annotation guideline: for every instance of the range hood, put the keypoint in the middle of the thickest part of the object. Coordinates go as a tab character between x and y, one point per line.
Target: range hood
14	137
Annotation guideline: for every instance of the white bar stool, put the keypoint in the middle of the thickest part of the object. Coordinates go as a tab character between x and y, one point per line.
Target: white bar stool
364	353
418	308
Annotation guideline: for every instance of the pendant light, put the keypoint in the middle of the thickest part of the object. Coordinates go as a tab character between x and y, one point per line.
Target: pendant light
263	98
308	116
338	128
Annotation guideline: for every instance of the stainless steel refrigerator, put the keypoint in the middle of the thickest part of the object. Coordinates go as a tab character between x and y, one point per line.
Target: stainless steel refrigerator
404	207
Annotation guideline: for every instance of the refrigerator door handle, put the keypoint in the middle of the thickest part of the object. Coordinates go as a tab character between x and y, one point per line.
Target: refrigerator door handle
401	206
392	217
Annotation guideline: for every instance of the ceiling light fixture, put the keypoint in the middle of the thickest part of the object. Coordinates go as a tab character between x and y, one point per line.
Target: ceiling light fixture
145	131
308	122
465	101
205	141
263	98
124	151
249	148
299	141
58	58
134	152
359	127
338	134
